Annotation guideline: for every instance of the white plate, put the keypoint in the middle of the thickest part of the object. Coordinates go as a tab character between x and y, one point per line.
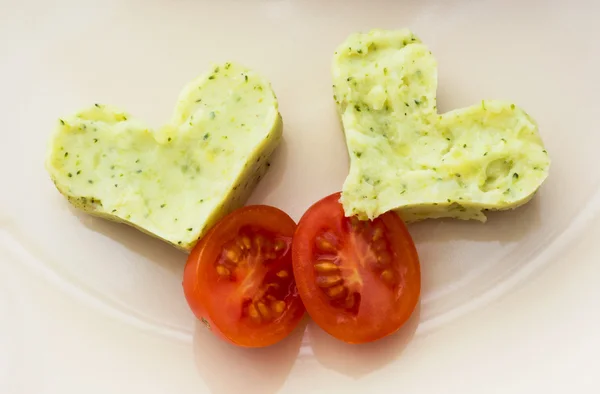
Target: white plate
91	306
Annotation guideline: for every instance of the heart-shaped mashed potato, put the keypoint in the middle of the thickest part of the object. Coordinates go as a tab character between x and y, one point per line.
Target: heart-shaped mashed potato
404	156
176	182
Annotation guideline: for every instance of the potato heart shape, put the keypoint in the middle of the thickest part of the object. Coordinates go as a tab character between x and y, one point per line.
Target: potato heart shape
176	182
406	157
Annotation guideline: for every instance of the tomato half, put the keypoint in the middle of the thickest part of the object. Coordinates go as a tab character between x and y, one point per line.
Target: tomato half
359	280
239	281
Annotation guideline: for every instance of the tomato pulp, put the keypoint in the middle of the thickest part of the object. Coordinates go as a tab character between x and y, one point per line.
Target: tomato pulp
359	280
239	281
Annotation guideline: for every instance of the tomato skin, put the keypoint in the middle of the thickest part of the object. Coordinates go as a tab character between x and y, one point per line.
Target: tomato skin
382	309
217	302
191	292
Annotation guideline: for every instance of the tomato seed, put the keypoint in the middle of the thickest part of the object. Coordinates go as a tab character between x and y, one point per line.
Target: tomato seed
223	271
253	313
328	281
387	276
278	306
264	310
337	291
279	245
377	234
324	245
245	242
233	254
326	267
351	301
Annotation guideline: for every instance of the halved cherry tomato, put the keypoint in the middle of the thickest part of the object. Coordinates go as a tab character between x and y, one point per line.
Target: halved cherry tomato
359	280
239	281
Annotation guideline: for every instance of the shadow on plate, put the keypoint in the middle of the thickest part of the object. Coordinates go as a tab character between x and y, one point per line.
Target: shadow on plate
360	360
152	249
227	368
273	176
501	226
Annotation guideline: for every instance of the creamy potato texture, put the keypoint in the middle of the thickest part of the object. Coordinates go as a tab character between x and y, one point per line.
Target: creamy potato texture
175	182
406	157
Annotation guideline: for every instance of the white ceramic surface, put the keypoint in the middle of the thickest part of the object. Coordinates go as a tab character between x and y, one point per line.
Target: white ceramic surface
91	306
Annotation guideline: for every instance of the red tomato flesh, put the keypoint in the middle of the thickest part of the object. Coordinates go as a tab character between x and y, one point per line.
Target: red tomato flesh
359	280
239	280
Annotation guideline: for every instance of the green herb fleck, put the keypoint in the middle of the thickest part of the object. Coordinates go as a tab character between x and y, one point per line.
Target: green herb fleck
97	105
90	181
62	122
163	205
464	145
485	154
349	79
189	229
95	140
357	108
516	176
359	51
137	161
246	78
512	106
139	171
206	136
211	77
70	175
78	172
417	102
66	154
169	139
358	154
385	71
